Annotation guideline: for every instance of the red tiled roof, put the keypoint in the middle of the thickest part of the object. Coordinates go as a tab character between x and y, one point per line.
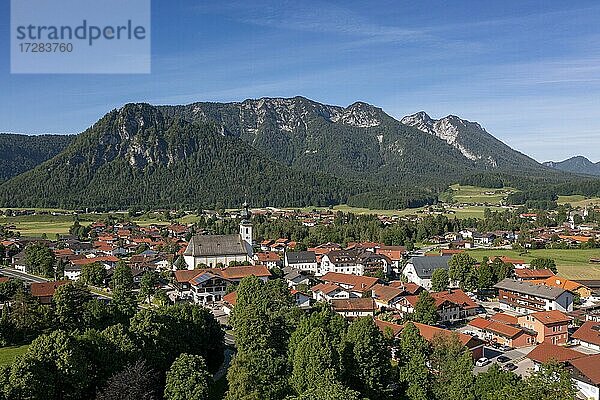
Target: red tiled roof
589	332
45	289
267	256
550	317
455	296
480	323
4	279
353	304
429	332
409	287
325	288
358	283
185	275
545	352
230	298
386	293
526	273
588	366
505	318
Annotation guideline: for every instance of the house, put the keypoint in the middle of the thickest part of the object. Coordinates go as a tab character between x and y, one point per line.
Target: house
517	263
295	278
268	258
302	261
394	253
502	333
44	291
451	305
525	297
374	264
408	288
358	286
574	287
329	291
209	285
526	274
428	332
355	307
585	372
212	251
229	301
341	261
588	335
546	352
551	326
302	300
419	269
387	297
484	239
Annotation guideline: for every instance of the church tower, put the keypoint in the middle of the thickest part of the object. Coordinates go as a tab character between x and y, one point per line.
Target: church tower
246	229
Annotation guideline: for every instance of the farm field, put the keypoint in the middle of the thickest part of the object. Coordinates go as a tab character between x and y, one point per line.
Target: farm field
578	200
572	263
8	354
475	194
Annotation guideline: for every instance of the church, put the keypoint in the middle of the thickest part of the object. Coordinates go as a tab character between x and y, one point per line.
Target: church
208	251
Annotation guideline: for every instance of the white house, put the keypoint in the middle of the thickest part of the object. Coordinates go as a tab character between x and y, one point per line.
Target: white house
420	269
301	260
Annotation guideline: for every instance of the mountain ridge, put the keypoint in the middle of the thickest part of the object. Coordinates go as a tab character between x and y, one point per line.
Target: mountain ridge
576	164
208	153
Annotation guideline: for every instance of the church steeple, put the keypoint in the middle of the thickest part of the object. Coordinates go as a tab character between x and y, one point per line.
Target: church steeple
246	228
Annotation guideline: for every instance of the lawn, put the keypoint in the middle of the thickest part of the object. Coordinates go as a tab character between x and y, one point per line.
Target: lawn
37	225
8	354
572	263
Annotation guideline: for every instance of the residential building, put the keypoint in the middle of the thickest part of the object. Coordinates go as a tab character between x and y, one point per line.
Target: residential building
357	286
420	269
526	274
268	258
524	297
588	335
574	287
585	372
504	334
329	291
550	326
302	261
44	291
355	307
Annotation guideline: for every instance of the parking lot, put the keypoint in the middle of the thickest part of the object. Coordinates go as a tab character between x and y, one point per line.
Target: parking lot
517	357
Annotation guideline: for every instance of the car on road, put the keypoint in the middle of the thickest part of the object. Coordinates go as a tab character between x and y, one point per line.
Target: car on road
482	362
509	367
497	309
503	359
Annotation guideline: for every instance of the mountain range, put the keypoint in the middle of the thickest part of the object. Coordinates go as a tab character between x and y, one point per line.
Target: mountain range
273	151
577	164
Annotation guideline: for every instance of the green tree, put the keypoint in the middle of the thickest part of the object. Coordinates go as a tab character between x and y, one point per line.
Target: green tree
40	260
494	383
551	382
425	310
315	360
121	285
93	274
544	263
54	367
485	276
187	379
440	280
462	270
136	381
148	285
412	355
367	359
330	391
69	305
453	366
258	375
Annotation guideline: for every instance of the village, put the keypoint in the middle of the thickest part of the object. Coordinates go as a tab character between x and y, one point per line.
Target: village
517	312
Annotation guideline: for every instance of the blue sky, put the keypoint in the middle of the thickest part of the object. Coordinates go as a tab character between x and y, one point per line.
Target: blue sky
528	71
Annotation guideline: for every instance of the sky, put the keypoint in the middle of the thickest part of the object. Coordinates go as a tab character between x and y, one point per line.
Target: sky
527	71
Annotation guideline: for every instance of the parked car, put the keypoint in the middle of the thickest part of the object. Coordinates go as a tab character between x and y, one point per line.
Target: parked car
503	359
509	367
495	345
497	309
483	361
505	348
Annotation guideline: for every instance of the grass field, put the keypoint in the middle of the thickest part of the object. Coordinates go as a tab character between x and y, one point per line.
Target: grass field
572	264
475	194
8	354
578	200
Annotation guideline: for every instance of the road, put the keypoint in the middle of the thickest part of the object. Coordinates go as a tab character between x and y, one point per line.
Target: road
13	273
